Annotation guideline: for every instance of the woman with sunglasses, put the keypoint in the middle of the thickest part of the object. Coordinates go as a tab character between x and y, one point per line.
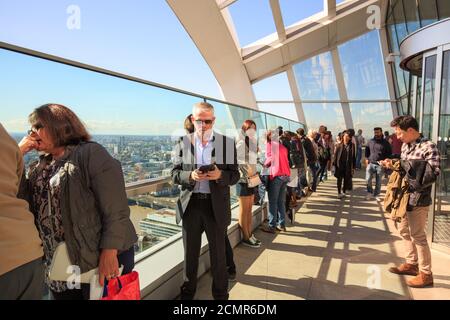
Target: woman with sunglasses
77	193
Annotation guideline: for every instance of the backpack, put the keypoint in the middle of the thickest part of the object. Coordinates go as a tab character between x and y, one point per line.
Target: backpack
296	155
309	150
324	153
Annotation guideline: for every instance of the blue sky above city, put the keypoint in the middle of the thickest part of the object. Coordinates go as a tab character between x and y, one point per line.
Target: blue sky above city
145	39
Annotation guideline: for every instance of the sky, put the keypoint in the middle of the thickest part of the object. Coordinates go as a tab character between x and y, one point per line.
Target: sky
139	38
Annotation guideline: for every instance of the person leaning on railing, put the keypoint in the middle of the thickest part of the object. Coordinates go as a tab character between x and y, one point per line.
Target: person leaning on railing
76	191
21	269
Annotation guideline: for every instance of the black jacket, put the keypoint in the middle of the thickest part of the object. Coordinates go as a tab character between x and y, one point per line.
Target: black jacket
311	157
226	160
420	176
377	150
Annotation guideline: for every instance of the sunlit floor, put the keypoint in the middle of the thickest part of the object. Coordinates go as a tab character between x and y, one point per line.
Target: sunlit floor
336	249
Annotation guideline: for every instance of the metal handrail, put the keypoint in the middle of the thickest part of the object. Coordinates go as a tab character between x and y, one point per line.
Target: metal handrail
76	64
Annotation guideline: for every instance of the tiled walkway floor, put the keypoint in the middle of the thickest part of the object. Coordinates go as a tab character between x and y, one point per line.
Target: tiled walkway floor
336	249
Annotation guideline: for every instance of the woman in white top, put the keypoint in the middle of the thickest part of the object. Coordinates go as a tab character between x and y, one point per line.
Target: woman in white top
247	154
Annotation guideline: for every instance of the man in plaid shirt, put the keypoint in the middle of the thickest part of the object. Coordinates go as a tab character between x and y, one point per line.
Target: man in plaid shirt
420	163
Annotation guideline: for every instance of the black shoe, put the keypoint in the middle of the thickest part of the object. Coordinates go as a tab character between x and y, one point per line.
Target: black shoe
232	276
185	294
268	229
281	228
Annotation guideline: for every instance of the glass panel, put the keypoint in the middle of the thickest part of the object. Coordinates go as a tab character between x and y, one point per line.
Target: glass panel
136	123
418	99
328	114
112	35
412	15
443	9
367	116
393	40
316	79
296	10
442	210
363	68
274	122
273	88
428	105
400	25
428	12
286	110
253	20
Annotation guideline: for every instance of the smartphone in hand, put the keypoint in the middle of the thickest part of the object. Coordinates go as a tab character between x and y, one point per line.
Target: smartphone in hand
206	168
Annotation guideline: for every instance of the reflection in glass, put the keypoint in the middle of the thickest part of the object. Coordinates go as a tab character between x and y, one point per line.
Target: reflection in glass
367	116
428	104
328	114
400	21
443	9
412	15
442	211
428	12
316	79
418	99
363	67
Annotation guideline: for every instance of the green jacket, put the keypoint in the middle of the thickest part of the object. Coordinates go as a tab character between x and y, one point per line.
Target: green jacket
94	205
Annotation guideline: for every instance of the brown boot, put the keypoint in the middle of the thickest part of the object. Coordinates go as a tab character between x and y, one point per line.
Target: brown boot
405	268
421	281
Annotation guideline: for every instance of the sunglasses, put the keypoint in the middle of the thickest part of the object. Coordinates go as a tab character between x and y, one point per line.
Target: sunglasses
199	122
35	128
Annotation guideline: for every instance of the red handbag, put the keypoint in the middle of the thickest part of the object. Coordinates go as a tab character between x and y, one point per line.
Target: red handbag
125	287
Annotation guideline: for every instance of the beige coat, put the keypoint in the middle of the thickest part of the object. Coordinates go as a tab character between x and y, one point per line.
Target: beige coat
397	195
19	239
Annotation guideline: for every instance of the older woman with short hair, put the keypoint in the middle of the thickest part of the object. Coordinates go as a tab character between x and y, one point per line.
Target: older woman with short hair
77	193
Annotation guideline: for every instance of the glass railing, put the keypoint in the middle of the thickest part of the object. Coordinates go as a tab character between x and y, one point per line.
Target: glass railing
137	121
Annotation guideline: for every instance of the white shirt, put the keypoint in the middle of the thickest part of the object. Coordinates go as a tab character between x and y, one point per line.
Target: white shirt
203	156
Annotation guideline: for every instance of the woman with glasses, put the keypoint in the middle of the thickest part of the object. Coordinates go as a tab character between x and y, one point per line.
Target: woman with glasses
77	193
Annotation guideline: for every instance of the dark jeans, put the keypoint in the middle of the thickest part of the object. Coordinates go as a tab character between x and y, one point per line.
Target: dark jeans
197	218
25	282
358	157
302	181
322	170
277	201
126	259
315	175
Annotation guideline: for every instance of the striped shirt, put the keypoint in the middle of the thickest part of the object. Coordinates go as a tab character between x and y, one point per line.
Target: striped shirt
422	149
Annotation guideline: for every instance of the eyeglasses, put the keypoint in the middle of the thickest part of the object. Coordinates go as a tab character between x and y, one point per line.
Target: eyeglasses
199	122
35	128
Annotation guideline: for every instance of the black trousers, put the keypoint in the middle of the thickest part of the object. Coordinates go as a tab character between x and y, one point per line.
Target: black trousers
199	217
23	283
126	259
229	256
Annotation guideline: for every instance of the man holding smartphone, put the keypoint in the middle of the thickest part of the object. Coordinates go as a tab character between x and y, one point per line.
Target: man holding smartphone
420	162
205	165
376	150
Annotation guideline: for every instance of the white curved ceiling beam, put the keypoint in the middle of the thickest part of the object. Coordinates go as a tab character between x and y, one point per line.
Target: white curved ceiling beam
205	24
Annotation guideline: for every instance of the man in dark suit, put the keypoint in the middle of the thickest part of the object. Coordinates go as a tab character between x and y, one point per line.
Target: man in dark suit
204	203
